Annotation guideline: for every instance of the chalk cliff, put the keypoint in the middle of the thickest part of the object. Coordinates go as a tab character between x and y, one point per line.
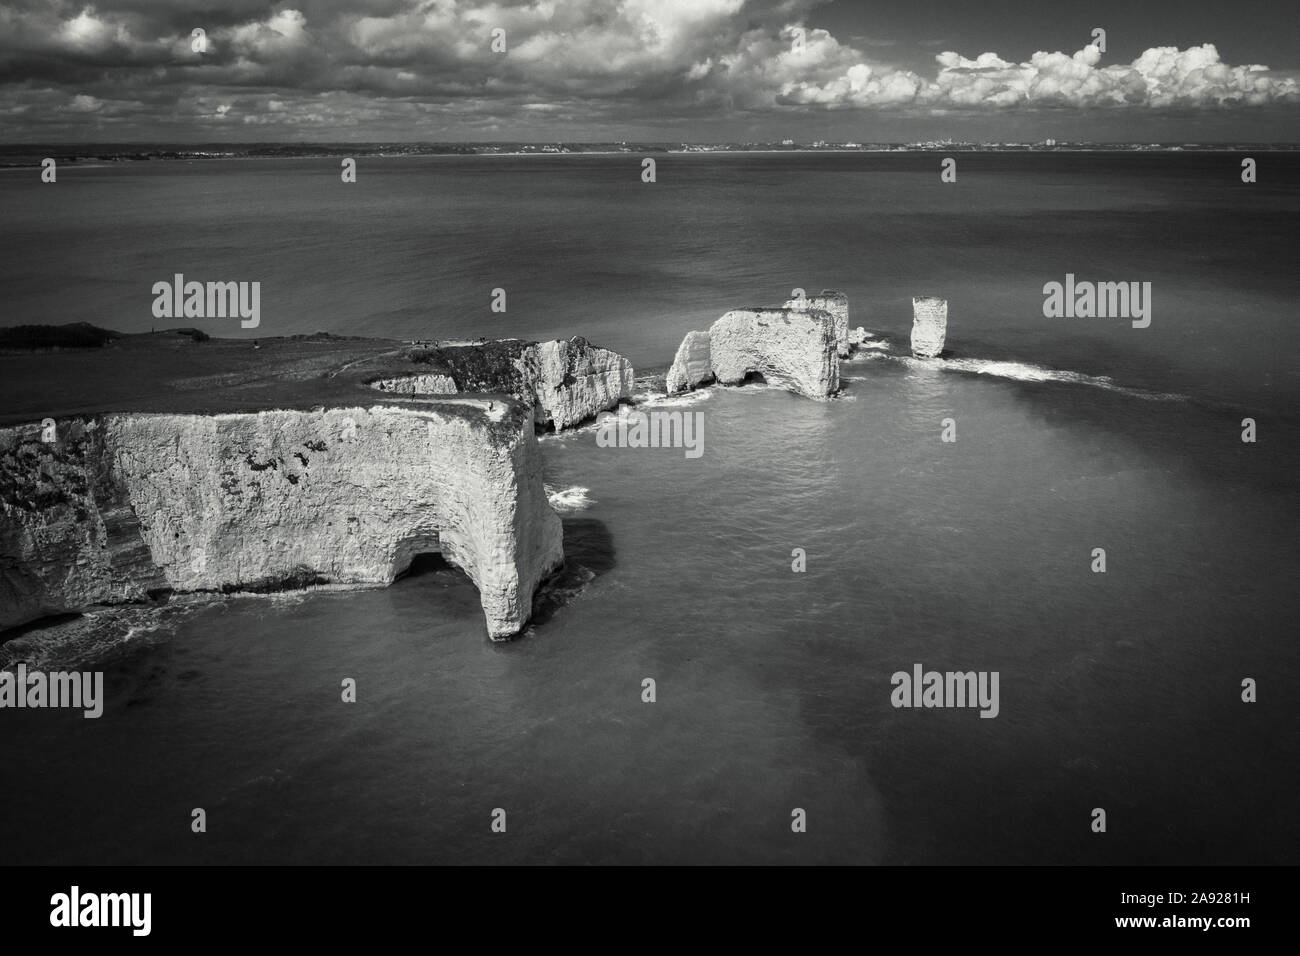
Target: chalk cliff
572	381
837	305
929	326
416	385
127	506
567	380
693	364
792	348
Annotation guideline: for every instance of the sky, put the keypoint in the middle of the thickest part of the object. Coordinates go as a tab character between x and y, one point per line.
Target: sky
648	71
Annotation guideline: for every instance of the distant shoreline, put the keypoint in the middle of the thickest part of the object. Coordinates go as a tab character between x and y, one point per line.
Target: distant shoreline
93	157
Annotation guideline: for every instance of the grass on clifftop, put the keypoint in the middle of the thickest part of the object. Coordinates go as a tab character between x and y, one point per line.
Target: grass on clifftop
169	372
76	335
482	367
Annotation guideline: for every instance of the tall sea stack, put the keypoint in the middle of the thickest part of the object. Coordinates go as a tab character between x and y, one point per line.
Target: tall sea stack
929	325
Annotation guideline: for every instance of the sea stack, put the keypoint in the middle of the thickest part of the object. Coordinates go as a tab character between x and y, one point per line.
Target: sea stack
792	348
929	325
837	305
693	364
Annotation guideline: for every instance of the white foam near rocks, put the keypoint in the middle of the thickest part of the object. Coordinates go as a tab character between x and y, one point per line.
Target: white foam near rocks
1026	372
656	399
570	500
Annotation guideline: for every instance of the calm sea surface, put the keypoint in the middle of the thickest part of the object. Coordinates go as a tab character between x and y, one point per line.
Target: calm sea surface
1118	690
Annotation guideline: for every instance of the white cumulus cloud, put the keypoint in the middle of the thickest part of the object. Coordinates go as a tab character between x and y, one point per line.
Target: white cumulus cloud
1160	77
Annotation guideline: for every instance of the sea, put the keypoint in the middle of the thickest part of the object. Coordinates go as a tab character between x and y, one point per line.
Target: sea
772	737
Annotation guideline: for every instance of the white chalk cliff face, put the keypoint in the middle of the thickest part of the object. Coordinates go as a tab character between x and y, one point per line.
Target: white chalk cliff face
571	381
837	305
567	381
129	505
693	364
795	349
929	326
416	385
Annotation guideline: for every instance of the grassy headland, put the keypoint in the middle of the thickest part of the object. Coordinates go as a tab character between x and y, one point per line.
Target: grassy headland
59	371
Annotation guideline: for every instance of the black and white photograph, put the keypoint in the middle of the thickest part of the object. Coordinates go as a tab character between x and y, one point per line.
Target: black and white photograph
650	433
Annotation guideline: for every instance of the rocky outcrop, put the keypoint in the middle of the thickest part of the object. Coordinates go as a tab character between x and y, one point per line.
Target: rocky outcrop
837	305
572	381
929	326
416	385
566	381
692	366
126	507
795	349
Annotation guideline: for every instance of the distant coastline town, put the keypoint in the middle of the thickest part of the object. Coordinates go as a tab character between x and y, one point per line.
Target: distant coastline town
26	155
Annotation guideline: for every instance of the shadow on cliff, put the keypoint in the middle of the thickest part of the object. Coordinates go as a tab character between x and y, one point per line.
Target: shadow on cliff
428	562
588	553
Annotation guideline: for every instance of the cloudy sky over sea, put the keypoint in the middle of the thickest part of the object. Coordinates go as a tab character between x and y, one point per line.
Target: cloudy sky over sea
662	70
